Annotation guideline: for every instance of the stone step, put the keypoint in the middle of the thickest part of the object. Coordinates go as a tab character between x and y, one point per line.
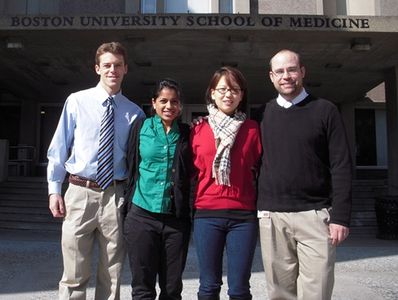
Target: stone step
24	204
37	210
23	197
27	217
24	189
46	226
371	174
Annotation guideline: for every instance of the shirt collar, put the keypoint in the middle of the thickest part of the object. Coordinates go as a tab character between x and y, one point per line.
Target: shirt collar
103	95
158	123
286	104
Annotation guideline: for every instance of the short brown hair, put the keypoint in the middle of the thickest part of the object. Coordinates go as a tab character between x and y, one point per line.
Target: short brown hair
111	47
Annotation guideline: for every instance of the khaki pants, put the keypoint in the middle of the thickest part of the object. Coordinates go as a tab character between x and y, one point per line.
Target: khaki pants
297	254
92	215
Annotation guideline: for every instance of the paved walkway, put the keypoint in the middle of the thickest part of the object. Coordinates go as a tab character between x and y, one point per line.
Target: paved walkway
31	266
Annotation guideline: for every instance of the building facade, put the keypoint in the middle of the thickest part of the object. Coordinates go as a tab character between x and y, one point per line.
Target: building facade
348	46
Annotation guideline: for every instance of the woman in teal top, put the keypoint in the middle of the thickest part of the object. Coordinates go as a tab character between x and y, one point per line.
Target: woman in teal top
158	224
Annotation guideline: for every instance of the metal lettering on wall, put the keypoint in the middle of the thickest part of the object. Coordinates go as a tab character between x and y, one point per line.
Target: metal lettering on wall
271	22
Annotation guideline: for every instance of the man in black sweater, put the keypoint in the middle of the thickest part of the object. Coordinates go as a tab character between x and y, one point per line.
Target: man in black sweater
304	188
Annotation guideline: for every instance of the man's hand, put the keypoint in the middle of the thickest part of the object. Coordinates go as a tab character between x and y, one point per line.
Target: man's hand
198	120
56	205
338	233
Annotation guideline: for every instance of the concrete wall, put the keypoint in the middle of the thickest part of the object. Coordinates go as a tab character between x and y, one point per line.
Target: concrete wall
29	6
14	7
43	6
298	7
242	7
132	6
361	7
388	7
372	7
2	5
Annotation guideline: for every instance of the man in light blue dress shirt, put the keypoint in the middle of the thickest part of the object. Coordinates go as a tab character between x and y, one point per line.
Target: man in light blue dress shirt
90	212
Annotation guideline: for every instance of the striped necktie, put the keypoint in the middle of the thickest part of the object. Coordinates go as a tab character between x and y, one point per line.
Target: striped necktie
105	152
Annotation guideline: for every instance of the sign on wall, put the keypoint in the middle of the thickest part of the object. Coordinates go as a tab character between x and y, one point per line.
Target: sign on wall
201	21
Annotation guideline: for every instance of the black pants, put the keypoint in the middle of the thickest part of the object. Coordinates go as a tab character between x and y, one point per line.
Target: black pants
157	244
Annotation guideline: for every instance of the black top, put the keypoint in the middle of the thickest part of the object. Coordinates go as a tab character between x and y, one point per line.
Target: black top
305	154
181	178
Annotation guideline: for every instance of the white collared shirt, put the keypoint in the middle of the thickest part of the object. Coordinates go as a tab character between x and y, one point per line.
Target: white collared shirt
286	104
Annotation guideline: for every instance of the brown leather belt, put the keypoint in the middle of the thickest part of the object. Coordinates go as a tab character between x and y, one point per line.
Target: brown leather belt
84	182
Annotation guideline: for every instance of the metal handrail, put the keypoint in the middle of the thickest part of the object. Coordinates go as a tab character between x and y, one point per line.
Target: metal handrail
28	154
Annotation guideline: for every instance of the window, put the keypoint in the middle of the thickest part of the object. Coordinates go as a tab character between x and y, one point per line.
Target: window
187	6
175	6
226	7
148	6
341	7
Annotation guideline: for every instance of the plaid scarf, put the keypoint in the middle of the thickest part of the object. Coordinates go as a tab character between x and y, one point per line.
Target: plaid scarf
225	128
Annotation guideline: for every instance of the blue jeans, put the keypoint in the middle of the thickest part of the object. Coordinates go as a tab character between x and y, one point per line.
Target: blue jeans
239	237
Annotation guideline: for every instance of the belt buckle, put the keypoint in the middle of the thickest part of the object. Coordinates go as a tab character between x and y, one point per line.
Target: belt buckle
87	183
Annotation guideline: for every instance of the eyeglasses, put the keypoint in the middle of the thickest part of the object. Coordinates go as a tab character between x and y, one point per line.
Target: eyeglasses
290	71
223	91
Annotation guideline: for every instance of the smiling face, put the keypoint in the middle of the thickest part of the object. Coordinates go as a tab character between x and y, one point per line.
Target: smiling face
227	96
287	74
167	106
111	68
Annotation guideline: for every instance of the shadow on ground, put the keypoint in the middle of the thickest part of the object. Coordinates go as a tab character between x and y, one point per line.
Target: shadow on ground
31	262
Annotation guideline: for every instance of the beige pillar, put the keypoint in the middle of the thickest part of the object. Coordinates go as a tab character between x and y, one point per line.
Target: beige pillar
214	6
361	7
392	128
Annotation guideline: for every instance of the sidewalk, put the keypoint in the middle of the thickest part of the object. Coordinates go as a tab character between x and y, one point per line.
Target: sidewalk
31	266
